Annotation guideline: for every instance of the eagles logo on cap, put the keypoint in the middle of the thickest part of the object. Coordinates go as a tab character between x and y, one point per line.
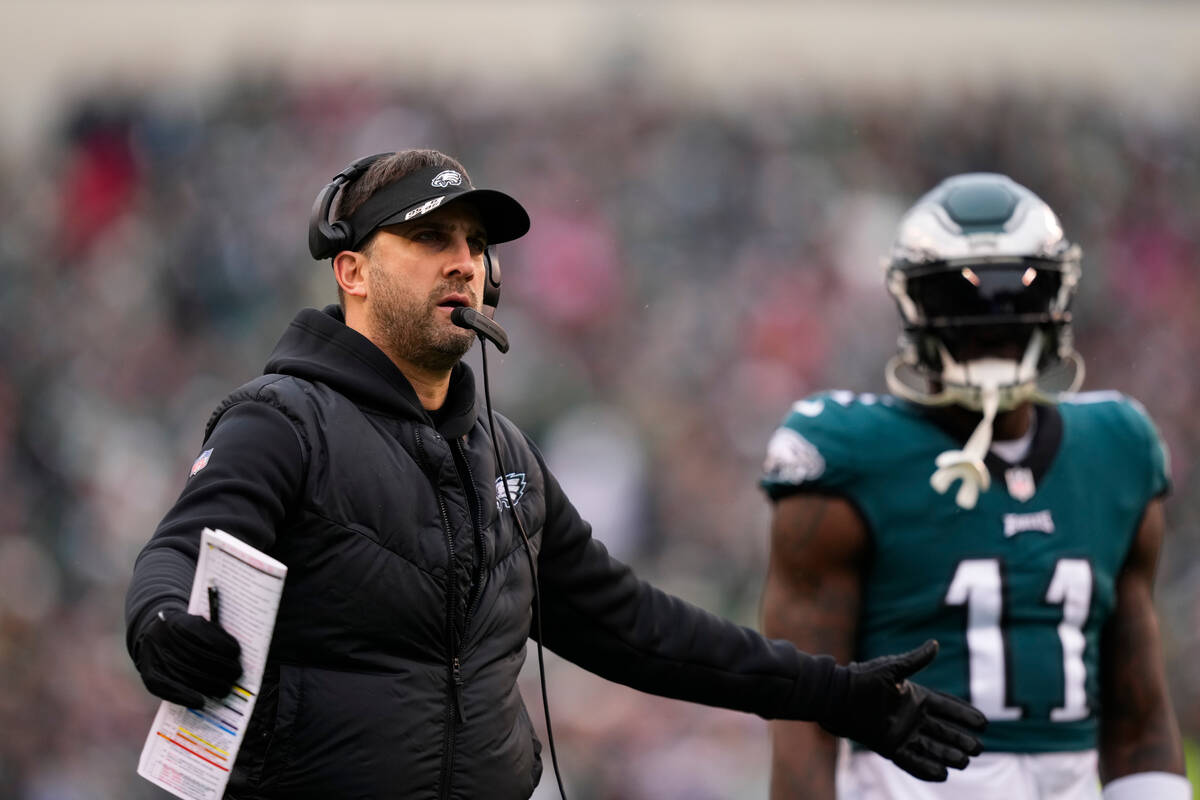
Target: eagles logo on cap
417	194
446	178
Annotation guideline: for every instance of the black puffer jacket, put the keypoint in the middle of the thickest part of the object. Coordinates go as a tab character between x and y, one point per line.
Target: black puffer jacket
408	602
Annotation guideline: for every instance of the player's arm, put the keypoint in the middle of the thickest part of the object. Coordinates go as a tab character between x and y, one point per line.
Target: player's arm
1139	736
812	598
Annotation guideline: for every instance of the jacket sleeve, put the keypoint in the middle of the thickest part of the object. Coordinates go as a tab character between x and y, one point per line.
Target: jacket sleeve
249	473
599	615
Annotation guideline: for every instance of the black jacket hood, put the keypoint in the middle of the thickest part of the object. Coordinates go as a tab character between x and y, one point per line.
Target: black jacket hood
319	347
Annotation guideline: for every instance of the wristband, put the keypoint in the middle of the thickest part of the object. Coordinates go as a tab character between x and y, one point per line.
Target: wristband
1141	785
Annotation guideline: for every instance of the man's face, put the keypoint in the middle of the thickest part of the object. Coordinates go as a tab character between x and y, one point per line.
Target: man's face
987	341
418	272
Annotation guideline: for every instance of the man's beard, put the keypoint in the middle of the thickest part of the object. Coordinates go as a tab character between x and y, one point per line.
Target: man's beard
408	327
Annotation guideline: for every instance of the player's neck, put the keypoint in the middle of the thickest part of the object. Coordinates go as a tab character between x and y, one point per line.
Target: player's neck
1009	425
1013	424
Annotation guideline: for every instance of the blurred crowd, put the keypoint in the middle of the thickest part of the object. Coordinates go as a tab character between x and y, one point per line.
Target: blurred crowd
692	269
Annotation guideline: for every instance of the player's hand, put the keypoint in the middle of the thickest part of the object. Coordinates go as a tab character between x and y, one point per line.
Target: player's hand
182	657
923	731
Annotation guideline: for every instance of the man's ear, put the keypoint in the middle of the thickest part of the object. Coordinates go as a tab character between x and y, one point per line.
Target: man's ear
349	269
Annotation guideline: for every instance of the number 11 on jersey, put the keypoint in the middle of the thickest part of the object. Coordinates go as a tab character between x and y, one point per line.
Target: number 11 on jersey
978	584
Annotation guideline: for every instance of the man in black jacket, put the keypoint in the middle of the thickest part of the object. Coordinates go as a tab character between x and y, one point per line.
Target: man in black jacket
363	460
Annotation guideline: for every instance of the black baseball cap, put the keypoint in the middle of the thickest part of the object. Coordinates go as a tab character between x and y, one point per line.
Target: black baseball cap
419	193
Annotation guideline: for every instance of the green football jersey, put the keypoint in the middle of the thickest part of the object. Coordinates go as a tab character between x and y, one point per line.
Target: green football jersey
1017	589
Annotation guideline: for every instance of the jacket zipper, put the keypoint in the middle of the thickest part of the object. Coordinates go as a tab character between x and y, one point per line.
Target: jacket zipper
454	689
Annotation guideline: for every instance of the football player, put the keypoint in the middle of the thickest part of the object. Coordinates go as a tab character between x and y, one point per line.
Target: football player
984	504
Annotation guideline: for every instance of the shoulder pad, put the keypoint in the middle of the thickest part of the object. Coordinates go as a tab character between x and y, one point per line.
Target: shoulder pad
821	441
1126	425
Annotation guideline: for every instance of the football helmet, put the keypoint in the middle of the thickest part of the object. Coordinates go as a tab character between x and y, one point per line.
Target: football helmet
983	277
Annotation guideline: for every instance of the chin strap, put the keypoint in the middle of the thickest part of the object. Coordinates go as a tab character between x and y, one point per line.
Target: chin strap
986	385
967	464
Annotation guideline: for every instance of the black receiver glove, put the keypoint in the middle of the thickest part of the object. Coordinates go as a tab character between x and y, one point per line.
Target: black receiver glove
182	657
923	731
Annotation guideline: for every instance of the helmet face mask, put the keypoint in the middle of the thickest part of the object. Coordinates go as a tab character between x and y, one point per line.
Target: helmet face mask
1021	291
983	278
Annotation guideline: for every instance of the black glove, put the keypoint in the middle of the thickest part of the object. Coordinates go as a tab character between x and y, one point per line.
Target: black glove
182	657
923	731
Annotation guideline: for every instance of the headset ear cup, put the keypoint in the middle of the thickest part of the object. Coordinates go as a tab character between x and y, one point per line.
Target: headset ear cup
326	239
318	224
491	281
340	236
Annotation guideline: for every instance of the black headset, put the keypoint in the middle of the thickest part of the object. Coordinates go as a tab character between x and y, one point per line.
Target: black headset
327	238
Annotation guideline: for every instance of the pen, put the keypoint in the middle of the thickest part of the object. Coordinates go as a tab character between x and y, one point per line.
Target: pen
214	605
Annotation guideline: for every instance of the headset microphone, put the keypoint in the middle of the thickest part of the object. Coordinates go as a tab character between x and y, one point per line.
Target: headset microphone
486	328
472	320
